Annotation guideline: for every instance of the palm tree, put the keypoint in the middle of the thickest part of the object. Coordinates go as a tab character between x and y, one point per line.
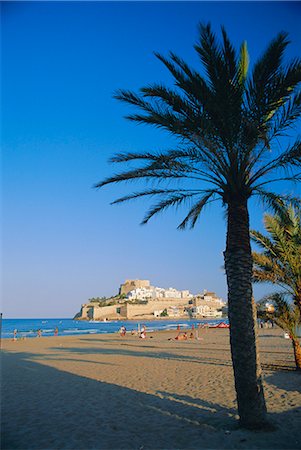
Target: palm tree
225	122
287	317
280	264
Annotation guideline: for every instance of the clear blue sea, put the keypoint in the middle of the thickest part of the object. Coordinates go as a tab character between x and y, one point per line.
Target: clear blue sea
28	327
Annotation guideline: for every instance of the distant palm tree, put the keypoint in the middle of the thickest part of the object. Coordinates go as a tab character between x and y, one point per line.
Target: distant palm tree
280	264
287	317
280	261
225	122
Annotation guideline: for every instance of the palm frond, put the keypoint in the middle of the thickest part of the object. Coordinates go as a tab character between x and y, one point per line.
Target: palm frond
126	157
276	202
171	99
229	55
131	98
262	241
212	160
266	269
187	162
291	157
189	81
295	179
243	64
271	86
152	171
261	276
263	74
268	65
195	212
223	74
171	200
155	192
210	54
287	115
288	159
156	114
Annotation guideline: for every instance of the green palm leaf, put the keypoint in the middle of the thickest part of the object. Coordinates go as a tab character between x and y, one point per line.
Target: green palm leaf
280	261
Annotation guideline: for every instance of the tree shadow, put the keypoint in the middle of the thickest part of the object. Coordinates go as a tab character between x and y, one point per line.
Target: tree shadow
126	349
47	408
145	354
286	381
200	403
50	408
57	357
283	367
271	336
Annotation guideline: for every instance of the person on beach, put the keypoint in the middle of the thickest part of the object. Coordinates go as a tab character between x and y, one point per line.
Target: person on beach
143	332
56	331
15	334
122	331
39	333
181	337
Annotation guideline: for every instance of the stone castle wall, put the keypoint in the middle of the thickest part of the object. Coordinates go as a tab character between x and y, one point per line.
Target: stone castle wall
129	311
105	312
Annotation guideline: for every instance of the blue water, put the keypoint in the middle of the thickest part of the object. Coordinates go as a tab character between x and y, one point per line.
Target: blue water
28	327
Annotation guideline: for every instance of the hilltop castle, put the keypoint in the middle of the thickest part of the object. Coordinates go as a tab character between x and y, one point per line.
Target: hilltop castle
137	299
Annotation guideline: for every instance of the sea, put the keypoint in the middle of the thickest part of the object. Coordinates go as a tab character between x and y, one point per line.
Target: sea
28	328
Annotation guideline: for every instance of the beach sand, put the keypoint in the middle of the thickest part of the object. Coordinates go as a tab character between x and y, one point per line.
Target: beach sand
108	392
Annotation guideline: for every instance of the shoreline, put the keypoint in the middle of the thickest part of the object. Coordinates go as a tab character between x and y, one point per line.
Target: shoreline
142	319
28	328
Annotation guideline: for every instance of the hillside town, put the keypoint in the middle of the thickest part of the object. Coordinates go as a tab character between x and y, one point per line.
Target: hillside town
138	299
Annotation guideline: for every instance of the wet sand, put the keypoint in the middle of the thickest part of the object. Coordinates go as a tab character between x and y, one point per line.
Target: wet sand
108	392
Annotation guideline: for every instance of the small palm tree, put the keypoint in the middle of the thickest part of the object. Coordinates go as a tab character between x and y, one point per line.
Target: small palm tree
280	264
280	261
225	122
287	317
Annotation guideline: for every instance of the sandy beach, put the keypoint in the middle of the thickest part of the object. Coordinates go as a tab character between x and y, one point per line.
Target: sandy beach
108	392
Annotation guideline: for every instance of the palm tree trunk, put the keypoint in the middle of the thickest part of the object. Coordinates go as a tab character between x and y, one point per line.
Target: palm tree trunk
297	353
243	334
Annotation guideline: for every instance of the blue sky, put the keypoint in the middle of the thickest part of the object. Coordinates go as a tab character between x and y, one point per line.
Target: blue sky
61	63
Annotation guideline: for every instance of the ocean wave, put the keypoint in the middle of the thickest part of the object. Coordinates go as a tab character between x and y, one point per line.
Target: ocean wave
80	331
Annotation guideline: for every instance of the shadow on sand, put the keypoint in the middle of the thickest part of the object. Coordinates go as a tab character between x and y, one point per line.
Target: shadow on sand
46	408
282	380
205	357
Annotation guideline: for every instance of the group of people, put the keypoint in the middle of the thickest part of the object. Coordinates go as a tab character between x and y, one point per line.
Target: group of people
194	334
39	333
266	324
182	336
141	332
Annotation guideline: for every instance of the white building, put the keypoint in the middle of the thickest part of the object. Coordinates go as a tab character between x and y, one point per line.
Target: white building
172	293
151	292
140	294
174	311
205	311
